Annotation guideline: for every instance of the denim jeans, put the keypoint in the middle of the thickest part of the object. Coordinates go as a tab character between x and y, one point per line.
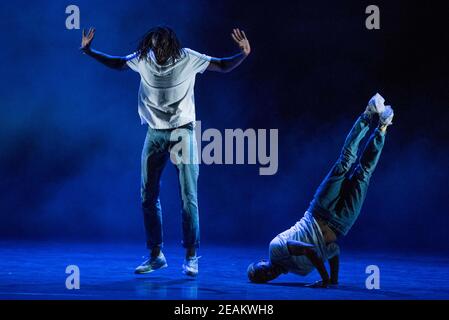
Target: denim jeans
155	154
339	198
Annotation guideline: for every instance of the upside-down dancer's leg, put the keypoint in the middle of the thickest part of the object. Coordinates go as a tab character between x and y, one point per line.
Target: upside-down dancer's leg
328	193
355	190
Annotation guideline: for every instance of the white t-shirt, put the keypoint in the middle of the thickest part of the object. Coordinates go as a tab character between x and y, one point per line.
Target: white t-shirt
306	230
166	93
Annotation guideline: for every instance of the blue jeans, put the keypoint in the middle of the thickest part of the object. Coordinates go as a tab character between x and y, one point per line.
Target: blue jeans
339	198
155	154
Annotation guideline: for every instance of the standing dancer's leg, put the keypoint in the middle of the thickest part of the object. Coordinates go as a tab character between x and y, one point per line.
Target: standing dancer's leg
154	159
187	167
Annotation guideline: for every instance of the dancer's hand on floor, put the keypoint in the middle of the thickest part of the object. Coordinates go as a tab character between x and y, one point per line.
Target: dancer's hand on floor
318	284
87	39
241	40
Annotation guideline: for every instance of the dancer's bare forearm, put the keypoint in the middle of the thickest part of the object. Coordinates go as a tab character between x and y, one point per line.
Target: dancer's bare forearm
298	248
318	263
228	64
113	62
334	265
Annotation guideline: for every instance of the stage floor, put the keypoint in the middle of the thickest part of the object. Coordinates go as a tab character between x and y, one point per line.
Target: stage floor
37	271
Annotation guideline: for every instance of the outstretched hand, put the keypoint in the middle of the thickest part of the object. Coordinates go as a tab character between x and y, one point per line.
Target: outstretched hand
241	40
87	39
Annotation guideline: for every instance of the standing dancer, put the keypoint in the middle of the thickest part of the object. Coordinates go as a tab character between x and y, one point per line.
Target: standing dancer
166	103
334	209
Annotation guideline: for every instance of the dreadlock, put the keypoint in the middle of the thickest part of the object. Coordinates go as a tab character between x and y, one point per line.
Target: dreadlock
163	41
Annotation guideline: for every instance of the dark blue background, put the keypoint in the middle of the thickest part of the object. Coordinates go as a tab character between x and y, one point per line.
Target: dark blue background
71	140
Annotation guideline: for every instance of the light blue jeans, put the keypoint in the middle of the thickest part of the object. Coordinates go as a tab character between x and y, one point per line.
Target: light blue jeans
339	198
155	154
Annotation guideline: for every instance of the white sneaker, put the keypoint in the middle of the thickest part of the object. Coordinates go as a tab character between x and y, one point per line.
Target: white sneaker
386	117
190	266
152	264
376	104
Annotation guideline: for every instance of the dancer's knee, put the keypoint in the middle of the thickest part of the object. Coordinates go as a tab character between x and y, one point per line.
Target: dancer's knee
189	198
362	173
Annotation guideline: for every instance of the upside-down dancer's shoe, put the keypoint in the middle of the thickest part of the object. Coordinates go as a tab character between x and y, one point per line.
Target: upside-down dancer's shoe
376	104
386	117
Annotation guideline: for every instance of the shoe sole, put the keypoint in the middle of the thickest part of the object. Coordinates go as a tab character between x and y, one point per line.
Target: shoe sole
189	273
192	275
150	271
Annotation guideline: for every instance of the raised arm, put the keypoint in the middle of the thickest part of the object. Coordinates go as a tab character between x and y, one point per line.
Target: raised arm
228	64
114	62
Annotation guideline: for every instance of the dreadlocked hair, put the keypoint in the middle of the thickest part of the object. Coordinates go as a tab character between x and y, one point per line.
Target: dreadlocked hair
162	40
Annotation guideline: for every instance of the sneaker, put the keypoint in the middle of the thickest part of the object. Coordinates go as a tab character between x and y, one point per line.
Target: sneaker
376	104
386	117
152	264
190	266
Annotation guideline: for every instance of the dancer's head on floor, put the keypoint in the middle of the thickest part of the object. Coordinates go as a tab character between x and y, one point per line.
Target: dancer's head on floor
263	271
164	43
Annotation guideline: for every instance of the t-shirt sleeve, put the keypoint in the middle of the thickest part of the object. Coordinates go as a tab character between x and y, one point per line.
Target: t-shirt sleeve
333	250
132	61
198	62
